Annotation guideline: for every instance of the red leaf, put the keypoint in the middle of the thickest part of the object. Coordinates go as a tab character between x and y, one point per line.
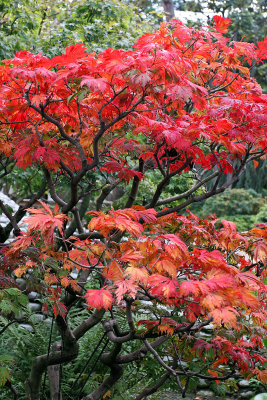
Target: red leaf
99	298
221	24
60	309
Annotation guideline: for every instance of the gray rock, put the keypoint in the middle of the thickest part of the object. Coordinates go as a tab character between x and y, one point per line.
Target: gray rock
203	335
48	321
21	316
207	393
27	327
184	364
202	383
37	317
243	383
33	296
74	275
262	396
247	395
21	284
208	328
143	311
35	307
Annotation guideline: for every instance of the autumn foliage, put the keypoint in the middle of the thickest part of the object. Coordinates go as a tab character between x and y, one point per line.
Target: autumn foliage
182	101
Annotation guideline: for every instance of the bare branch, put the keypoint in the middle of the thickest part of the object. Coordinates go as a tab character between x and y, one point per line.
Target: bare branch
188	192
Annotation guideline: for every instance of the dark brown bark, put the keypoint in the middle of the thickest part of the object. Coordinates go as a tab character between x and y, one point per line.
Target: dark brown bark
54	379
152	389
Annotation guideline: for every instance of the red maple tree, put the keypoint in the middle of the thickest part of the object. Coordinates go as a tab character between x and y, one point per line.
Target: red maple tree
182	101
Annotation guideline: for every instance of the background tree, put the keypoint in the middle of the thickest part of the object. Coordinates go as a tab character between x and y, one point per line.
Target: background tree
50	26
181	102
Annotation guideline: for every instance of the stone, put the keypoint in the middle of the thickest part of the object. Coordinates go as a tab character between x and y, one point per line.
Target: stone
207	393
184	364
203	335
243	383
35	307
21	284
48	321
262	396
21	316
33	296
202	383
37	317
208	328
246	395
27	327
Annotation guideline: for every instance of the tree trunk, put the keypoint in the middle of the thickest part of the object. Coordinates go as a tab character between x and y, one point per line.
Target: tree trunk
168	9
54	379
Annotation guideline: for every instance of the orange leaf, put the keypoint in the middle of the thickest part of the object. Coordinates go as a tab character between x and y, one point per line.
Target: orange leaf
225	316
137	274
44	220
260	252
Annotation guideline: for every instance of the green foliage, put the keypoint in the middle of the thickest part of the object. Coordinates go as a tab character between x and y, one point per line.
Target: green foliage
50	26
23	347
244	207
147	188
254	178
232	202
23	183
12	301
4	375
261	217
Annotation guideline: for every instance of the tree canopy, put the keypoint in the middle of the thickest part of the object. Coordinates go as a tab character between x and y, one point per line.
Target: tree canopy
181	102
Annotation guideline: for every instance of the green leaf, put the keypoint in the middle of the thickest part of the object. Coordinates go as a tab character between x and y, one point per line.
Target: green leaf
51	262
81	94
6	358
6	307
5	375
23	300
13	291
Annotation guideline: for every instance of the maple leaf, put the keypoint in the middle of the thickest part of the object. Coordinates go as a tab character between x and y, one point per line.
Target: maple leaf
189	287
44	220
124	173
148	215
113	271
166	266
260	252
60	309
122	220
262	376
49	156
221	24
65	281
99	298
95	84
125	287
262	49
131	255
212	301
6	281
225	316
201	345
163	287
137	274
